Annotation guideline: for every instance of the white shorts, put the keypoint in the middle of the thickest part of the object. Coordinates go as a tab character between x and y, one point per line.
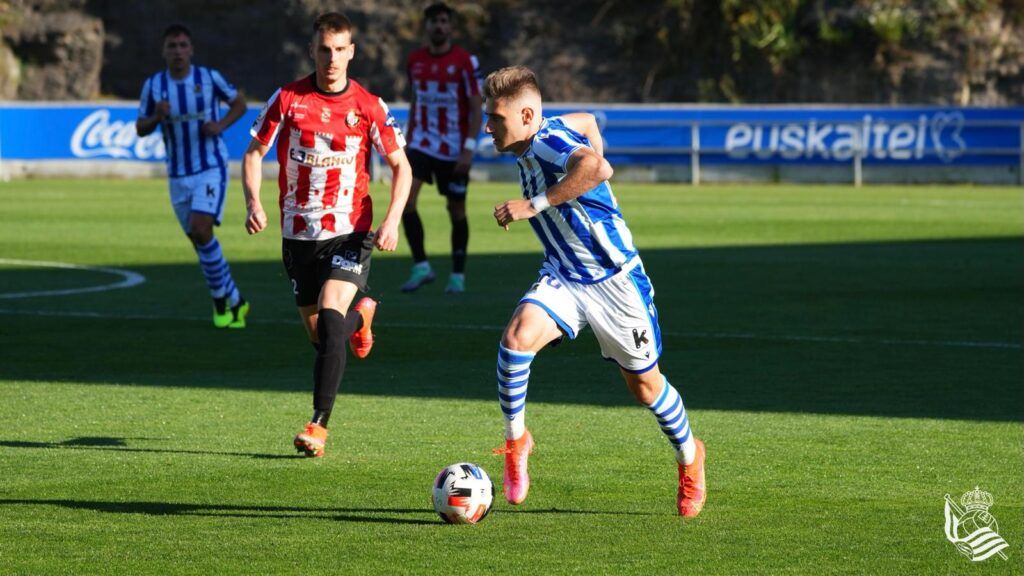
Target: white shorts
620	310
203	192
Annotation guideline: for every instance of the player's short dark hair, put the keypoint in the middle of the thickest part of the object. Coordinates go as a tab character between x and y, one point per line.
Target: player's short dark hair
177	30
334	22
510	82
438	8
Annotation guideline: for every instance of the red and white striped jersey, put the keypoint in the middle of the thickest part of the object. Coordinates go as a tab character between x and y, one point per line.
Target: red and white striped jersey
442	85
324	154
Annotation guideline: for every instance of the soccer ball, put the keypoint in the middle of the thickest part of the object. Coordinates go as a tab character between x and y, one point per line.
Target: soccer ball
463	494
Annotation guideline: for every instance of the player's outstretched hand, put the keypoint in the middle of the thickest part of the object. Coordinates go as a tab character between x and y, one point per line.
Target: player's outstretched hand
512	210
255	220
386	238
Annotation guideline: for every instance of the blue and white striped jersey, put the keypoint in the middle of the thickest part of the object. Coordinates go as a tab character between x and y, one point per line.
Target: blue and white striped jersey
586	238
194	100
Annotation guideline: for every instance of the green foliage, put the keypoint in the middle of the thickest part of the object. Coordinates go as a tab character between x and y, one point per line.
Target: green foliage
768	27
892	23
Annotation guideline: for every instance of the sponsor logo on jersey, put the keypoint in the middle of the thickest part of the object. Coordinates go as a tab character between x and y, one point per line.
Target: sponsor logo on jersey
186	117
325	115
319	160
427	98
297	111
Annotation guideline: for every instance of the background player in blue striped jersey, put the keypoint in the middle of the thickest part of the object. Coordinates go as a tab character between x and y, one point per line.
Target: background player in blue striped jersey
591	275
184	101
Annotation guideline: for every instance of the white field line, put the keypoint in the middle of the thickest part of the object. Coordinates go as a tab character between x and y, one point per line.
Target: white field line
128	279
496	329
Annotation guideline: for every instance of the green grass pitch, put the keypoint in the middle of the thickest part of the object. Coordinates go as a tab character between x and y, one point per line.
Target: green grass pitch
850	356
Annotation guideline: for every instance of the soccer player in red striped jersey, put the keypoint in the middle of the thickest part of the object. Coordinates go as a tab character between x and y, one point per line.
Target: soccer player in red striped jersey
325	124
444	120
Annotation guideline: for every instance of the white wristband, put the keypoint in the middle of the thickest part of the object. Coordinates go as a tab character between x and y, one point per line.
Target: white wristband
540	202
469	144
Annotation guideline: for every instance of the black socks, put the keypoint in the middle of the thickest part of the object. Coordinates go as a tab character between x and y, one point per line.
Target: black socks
334	330
460	240
414	232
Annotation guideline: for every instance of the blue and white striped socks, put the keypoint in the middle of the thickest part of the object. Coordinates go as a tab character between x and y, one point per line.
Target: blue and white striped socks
217	272
513	376
671	415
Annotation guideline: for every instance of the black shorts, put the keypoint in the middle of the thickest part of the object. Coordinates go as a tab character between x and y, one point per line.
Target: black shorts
426	168
311	263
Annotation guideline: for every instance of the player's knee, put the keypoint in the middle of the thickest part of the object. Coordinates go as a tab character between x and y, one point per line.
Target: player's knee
200	235
645	387
457	210
522	337
330	328
517	338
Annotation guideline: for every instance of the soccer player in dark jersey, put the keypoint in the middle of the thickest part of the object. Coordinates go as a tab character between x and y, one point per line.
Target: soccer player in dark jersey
184	102
444	120
324	125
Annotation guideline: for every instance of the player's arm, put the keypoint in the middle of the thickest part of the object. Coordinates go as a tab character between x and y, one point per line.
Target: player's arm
476	116
252	180
145	125
401	180
585	123
585	169
236	108
151	111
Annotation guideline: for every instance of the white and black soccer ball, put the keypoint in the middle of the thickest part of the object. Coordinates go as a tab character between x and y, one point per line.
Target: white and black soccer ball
463	493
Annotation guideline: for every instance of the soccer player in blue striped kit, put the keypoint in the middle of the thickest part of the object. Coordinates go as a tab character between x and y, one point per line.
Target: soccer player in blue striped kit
591	275
184	101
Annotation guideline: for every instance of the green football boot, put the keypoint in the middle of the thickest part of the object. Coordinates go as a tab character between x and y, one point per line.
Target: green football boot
238	313
222	316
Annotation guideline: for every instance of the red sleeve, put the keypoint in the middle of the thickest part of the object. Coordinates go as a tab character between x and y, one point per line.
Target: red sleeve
384	131
267	124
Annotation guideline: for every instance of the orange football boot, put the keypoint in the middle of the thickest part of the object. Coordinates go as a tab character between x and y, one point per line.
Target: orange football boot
311	441
516	481
361	340
692	490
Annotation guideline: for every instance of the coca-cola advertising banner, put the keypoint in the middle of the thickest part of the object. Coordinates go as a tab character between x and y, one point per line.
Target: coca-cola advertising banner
634	134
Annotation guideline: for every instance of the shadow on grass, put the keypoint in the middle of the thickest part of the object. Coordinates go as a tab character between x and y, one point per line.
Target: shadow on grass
237	511
389	515
908	329
119	445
